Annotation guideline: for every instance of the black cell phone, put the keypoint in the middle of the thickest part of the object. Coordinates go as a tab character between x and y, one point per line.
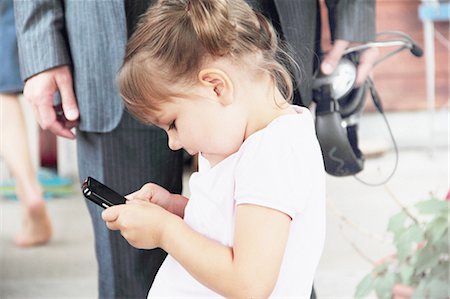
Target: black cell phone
100	194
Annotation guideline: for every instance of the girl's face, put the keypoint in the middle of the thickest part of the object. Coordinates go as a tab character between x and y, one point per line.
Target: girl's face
202	124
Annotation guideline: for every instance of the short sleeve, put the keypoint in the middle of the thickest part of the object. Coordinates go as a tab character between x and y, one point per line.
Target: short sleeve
279	167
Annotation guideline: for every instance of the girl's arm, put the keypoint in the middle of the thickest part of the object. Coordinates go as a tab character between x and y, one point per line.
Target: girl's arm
249	269
177	204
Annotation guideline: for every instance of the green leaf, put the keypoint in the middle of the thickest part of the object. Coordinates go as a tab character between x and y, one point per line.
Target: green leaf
437	228
441	270
406	273
432	288
365	286
396	223
384	285
442	246
427	258
403	250
438	288
432	206
413	234
381	268
420	292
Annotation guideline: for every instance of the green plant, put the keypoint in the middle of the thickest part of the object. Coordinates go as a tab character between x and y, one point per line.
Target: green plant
421	261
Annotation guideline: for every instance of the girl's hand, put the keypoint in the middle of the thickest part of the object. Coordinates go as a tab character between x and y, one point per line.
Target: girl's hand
152	193
141	223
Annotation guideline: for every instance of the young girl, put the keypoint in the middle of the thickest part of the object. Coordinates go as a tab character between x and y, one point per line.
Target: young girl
206	72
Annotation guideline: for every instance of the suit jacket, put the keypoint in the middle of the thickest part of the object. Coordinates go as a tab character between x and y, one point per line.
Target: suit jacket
299	21
88	35
91	36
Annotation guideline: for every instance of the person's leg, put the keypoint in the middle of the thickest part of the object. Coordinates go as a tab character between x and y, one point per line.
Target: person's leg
36	226
124	160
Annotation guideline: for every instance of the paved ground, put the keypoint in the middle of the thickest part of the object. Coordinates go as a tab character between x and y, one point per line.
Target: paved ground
66	267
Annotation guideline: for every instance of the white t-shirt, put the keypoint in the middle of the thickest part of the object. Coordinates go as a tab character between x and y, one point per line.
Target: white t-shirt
280	167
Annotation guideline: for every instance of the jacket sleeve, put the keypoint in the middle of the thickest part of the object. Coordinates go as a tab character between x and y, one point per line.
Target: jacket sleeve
41	35
352	20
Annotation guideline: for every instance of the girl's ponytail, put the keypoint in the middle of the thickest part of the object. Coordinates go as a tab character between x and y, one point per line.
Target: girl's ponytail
212	25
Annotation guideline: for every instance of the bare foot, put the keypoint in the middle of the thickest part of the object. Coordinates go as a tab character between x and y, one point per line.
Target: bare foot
36	225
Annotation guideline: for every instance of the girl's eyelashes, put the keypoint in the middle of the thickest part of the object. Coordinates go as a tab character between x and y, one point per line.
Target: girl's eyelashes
172	126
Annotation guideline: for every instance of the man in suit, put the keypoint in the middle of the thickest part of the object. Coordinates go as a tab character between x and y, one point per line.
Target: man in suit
76	48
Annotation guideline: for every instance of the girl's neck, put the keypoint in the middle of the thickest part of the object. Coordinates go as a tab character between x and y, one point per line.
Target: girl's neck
265	103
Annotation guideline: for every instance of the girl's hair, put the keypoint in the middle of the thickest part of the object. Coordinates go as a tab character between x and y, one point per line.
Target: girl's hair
175	37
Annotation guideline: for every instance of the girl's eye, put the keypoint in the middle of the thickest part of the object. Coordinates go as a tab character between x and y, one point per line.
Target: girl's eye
172	126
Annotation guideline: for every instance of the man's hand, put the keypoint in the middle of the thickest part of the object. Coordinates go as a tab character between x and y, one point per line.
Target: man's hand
39	91
366	61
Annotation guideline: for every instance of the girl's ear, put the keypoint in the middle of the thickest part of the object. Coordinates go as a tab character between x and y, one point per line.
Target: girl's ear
219	83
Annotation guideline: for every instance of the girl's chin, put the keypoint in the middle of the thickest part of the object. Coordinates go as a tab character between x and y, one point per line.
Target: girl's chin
191	153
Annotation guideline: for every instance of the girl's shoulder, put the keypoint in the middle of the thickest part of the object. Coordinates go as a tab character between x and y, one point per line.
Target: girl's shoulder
281	164
289	130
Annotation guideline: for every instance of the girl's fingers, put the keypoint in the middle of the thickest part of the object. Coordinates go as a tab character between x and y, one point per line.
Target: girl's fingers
132	195
137	201
145	193
112	225
111	214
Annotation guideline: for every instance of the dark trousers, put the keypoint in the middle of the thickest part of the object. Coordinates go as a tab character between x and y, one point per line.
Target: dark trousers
125	159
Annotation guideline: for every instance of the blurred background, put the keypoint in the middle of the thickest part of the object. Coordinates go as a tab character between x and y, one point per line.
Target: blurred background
415	93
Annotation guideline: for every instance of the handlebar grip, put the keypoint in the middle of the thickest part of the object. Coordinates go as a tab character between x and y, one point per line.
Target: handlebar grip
416	50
